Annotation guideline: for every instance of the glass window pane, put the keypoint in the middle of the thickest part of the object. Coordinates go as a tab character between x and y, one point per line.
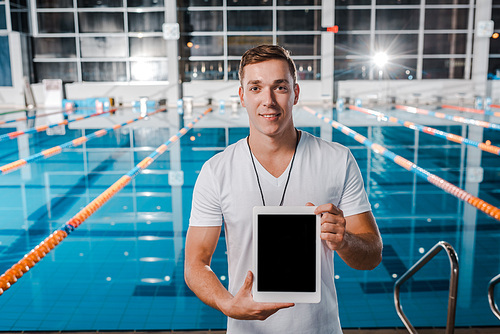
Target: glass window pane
299	20
495	45
493	69
249	3
308	69
232	69
101	22
249	20
95	47
237	45
299	2
19	19
396	44
397	19
202	21
400	69
99	3
147	47
146	22
149	70
57	47
350	69
145	3
352	45
3	19
443	68
104	71
56	22
456	18
398	2
204	70
349	19
447	2
66	71
188	3
203	46
301	45
54	3
5	69
445	43
352	2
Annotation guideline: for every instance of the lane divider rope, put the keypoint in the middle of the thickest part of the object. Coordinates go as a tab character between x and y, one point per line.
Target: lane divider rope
42	249
476	202
41	128
10	167
471	110
431	131
458	119
64	112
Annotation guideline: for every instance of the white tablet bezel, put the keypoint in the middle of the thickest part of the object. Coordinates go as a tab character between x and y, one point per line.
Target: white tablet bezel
279	296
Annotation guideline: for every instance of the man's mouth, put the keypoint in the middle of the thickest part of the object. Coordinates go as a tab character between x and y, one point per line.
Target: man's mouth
269	115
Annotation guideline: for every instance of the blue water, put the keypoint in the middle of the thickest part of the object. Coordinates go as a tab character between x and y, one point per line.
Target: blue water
123	268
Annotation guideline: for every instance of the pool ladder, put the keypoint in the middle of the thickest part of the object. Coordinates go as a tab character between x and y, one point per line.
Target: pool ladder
491	295
452	297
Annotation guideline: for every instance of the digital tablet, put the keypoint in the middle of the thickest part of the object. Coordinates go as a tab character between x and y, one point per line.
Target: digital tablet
287	254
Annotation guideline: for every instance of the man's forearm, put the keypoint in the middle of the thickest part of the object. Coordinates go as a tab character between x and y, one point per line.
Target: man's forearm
361	251
205	284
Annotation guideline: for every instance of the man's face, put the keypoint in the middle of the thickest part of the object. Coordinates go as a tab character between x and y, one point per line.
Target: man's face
269	94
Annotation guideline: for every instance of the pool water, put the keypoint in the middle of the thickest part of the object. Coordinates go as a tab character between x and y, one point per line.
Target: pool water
122	269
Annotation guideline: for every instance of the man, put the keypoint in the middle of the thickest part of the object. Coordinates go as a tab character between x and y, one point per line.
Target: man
276	165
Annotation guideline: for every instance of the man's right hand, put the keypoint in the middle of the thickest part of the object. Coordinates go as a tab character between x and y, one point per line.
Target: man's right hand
243	307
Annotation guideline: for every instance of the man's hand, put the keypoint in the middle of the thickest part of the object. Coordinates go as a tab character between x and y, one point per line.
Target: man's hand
243	307
333	225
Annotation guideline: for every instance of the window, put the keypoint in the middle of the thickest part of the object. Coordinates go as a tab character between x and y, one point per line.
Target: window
56	22
237	45
397	19
147	47
104	71
66	71
5	69
100	22
55	47
296	20
449	68
445	43
454	18
250	20
352	19
97	47
146	22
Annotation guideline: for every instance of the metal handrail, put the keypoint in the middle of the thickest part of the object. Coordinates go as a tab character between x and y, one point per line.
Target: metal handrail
491	295
452	298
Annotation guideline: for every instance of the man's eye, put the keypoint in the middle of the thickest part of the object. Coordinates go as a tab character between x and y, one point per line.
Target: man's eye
254	88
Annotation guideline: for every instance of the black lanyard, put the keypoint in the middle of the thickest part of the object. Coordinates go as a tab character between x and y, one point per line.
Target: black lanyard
289	172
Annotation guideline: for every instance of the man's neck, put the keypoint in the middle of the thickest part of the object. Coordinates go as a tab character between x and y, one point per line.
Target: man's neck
274	153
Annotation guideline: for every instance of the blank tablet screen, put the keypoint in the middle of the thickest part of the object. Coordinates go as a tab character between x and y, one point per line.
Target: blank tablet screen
286	253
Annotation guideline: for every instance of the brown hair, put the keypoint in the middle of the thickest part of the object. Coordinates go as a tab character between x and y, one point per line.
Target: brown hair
265	52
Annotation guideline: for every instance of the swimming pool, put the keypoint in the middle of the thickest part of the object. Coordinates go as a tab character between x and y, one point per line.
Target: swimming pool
122	269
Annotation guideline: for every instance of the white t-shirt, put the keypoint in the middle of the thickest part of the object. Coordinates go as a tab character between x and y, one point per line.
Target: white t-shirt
227	190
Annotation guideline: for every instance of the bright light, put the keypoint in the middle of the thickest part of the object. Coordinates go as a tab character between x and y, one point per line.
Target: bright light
495	35
380	59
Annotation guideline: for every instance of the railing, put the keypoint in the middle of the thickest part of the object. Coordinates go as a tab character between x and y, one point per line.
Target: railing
452	298
491	295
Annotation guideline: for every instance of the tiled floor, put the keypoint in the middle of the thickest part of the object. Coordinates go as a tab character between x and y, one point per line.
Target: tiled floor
123	268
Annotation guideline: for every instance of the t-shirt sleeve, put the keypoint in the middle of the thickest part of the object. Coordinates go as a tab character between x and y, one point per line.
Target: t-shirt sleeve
354	199
206	210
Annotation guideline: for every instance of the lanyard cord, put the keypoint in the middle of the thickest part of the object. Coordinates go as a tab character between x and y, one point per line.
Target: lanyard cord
289	172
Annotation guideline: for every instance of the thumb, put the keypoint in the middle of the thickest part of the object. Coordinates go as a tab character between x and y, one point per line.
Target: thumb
247	285
309	204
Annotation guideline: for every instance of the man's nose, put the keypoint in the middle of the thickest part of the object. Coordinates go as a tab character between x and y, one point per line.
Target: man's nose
268	98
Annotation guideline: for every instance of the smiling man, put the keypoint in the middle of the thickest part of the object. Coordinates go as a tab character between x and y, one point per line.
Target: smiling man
276	165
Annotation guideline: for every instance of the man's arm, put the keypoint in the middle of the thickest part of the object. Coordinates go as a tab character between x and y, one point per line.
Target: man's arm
200	246
356	238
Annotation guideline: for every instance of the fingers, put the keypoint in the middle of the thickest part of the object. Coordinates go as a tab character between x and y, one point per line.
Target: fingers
309	204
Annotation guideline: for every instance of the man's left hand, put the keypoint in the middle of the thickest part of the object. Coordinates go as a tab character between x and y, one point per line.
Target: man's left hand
332	225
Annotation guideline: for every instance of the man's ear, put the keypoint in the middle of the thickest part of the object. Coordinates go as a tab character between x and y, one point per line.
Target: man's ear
296	90
240	93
